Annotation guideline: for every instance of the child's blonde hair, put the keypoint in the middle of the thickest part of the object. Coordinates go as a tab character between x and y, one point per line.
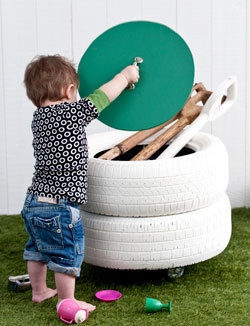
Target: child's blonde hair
46	76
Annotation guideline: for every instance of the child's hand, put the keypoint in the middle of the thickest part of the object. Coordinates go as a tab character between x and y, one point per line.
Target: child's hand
114	87
131	73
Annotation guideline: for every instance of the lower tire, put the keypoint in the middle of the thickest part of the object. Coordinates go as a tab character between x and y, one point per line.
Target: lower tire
157	242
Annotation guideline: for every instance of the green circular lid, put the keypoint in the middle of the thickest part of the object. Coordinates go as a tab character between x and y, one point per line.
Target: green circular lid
166	73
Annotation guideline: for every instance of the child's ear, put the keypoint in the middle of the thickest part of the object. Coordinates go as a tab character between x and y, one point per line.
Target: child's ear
68	91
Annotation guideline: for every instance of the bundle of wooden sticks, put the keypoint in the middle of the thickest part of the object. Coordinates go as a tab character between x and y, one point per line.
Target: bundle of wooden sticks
184	117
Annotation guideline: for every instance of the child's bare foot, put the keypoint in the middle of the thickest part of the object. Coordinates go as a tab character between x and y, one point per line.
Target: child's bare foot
39	297
85	305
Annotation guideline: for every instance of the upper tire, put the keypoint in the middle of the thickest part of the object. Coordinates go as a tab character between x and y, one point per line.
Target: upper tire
156	187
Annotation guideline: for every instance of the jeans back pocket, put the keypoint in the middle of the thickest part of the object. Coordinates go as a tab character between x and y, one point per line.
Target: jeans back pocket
47	232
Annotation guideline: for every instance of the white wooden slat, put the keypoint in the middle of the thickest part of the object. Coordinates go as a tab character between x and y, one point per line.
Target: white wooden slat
19	45
3	147
89	20
123	11
247	80
160	11
46	37
88	23
229	57
54	35
194	25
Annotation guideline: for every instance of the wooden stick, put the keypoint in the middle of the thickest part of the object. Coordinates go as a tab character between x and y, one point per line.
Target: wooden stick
140	136
134	140
187	115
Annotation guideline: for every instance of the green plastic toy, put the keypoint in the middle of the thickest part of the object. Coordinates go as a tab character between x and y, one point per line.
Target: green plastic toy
166	73
154	305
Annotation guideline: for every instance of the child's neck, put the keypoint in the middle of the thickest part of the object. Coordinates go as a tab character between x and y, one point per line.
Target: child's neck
49	102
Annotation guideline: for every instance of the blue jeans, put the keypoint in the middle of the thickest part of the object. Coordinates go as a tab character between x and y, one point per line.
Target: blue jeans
56	235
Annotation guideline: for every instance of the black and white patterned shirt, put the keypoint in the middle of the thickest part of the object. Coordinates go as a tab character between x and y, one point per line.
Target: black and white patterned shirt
60	150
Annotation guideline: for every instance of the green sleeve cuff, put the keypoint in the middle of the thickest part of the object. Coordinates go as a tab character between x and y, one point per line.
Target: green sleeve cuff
99	99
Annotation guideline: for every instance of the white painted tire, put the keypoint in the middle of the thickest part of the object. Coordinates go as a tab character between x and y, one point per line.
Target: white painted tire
156	187
157	242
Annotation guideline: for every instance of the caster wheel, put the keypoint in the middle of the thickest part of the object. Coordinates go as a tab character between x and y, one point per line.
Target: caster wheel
176	272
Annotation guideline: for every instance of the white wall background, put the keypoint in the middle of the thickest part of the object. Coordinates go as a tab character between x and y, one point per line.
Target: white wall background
217	32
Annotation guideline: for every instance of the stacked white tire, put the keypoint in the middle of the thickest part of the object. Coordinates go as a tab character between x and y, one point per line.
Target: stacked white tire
156	214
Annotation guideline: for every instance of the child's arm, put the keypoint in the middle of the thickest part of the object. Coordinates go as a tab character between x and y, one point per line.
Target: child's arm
115	86
108	92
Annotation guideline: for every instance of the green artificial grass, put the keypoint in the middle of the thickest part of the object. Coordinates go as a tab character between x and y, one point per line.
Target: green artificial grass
211	293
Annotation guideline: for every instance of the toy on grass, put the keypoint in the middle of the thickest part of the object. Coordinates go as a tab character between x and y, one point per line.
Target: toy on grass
19	283
108	295
154	305
70	312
